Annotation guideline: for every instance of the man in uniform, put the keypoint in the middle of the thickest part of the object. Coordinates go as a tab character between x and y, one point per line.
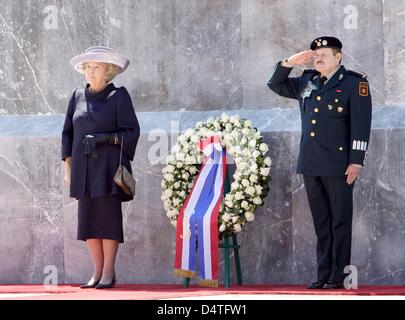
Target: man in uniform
335	106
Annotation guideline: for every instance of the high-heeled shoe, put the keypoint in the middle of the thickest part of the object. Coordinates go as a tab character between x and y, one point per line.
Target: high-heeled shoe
106	285
89	285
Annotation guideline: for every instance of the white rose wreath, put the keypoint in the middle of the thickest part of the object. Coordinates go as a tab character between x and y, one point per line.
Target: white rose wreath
251	178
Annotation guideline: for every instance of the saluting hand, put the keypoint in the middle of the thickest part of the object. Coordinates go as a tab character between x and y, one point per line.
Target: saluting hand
302	57
352	173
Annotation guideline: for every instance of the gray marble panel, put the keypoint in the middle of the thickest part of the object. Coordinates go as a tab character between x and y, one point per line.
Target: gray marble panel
38	221
190	58
378	216
195	55
274	30
267	243
38	39
31	224
157	123
380	209
394	52
184	55
150	237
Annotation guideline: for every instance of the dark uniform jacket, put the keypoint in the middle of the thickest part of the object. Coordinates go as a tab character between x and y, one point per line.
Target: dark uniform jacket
108	111
336	119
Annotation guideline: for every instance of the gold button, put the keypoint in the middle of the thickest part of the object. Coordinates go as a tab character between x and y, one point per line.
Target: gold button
316	109
336	100
313	121
318	98
330	107
340	109
312	134
340	148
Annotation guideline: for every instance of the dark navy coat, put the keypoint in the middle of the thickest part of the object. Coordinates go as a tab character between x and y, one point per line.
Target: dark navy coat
108	111
335	120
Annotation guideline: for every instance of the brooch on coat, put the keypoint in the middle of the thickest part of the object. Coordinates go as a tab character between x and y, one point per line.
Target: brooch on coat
306	93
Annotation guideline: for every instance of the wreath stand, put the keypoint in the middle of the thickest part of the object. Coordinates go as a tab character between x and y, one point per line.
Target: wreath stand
226	244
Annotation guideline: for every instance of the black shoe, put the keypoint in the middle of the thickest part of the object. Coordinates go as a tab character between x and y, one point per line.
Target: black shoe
107	285
89	285
317	285
333	284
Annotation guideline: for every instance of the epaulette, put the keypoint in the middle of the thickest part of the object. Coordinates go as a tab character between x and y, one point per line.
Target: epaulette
357	74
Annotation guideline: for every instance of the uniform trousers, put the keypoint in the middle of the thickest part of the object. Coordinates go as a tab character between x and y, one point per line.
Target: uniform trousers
331	203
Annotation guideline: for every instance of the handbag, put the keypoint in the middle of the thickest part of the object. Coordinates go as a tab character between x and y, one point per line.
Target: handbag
123	177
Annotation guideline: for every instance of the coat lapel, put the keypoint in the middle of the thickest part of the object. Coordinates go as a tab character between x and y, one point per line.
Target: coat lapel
317	81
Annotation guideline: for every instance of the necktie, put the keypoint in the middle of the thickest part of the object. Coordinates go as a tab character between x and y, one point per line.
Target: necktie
323	79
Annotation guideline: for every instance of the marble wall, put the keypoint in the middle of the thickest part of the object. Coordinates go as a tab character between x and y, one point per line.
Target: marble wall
273	30
38	220
394	52
193	55
191	60
31	210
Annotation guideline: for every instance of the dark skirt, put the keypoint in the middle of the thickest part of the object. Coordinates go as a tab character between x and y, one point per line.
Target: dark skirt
100	218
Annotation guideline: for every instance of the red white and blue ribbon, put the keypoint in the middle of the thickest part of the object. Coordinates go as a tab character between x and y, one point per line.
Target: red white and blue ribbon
198	218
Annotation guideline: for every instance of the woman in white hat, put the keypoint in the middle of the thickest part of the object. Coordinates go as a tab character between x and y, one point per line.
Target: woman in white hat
98	120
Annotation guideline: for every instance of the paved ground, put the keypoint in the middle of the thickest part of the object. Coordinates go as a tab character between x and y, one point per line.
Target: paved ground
170	291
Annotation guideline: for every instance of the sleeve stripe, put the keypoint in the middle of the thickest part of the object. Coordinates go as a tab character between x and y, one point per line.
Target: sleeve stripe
359	145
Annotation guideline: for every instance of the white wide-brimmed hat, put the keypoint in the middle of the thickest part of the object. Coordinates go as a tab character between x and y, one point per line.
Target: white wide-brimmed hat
99	54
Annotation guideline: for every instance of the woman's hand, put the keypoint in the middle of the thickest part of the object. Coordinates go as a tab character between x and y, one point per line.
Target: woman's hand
68	165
